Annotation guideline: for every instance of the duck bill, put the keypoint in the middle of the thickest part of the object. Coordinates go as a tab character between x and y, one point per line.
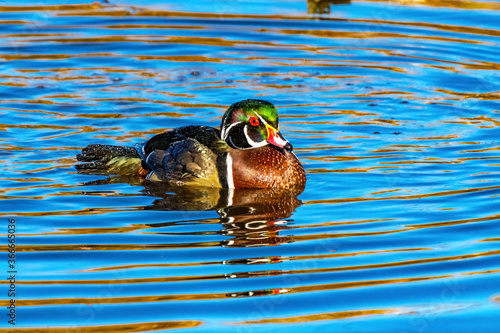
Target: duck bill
274	137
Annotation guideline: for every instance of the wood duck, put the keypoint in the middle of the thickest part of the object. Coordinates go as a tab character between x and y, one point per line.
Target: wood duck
247	152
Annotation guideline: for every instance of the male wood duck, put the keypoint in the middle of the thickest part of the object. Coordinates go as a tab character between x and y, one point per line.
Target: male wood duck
247	152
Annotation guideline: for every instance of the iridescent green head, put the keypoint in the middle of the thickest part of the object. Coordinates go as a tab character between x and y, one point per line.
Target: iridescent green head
252	123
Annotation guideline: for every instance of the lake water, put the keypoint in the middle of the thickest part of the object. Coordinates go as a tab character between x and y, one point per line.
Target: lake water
392	107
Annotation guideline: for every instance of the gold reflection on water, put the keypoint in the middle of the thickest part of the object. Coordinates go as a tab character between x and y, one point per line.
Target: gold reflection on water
95	5
491	240
20	22
273	272
321	316
461	4
482	119
316	6
365	35
153	26
214	296
154	39
122	328
486	96
403	197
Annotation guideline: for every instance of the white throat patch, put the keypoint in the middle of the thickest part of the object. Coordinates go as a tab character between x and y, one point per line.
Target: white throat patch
229	171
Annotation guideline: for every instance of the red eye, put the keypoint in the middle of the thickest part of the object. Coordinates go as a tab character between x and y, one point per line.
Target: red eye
254	121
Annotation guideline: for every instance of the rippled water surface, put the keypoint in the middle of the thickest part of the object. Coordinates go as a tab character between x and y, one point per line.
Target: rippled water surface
392	107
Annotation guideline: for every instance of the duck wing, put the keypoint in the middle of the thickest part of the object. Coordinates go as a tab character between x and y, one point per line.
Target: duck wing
184	163
207	136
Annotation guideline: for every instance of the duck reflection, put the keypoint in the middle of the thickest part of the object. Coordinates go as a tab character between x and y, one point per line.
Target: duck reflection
323	6
251	217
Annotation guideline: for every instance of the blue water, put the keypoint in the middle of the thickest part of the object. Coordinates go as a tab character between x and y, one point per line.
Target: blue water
392	107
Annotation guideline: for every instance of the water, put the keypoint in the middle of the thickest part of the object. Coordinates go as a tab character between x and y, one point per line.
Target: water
392	107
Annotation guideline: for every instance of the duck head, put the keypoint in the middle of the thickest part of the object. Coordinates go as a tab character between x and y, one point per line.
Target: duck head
252	123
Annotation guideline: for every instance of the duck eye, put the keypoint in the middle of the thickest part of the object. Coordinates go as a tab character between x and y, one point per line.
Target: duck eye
254	121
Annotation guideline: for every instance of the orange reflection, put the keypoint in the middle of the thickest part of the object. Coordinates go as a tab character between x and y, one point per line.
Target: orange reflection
462	4
321	316
214	296
122	328
404	197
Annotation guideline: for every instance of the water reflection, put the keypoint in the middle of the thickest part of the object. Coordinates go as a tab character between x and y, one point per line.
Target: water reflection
251	217
323	6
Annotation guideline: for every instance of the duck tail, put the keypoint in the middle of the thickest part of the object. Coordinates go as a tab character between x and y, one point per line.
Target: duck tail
107	159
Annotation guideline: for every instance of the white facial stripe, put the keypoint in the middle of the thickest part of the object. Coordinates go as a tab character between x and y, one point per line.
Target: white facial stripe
225	131
251	142
229	170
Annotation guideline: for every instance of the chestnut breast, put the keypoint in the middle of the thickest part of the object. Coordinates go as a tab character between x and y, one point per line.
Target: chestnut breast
266	167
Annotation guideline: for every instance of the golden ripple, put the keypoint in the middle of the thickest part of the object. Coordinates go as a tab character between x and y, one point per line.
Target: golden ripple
107	247
268	260
444	27
91	231
54	56
354	137
157	13
97	9
486	96
53	34
122	267
388	191
152	26
185	58
26	180
324	236
10	84
269	272
86	211
94	5
53	127
392	150
321	316
491	240
414	146
17	22
349	170
30	187
317	148
404	197
397	264
440	161
122	328
365	35
443	137
156	39
462	4
483	119
346	158
489	271
214	296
